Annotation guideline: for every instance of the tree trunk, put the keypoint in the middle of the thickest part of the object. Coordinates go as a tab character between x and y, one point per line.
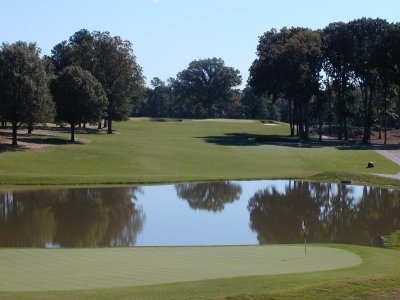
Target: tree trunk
291	118
320	126
99	125
385	129
30	128
14	133
105	123
72	132
109	128
345	129
367	103
305	120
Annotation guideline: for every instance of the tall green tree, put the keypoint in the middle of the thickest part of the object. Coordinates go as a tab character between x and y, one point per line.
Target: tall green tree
288	65
111	60
205	88
24	91
118	72
79	97
336	39
367	36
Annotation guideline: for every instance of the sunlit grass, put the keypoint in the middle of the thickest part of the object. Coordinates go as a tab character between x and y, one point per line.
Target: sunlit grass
378	275
148	151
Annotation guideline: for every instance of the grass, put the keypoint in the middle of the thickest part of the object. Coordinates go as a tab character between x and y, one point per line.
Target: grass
146	151
160	151
247	267
74	269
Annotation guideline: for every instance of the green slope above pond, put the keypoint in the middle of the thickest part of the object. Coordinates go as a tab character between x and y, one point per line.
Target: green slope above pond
146	151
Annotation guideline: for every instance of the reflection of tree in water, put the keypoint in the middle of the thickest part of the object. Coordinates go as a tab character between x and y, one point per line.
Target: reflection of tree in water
333	212
210	196
70	218
276	216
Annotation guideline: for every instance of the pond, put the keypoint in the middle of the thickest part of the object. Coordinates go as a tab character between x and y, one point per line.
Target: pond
217	213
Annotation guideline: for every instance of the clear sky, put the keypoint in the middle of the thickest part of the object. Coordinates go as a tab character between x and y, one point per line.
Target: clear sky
168	34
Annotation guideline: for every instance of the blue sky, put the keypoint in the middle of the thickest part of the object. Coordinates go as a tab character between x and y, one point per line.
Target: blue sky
168	34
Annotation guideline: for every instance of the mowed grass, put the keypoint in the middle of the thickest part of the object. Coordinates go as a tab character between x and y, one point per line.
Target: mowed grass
244	272
148	151
74	269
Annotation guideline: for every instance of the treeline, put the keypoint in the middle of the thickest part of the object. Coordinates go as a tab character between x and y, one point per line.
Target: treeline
90	77
344	76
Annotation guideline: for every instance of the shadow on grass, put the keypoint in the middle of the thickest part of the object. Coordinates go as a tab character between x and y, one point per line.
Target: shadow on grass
246	139
49	141
29	143
165	120
10	148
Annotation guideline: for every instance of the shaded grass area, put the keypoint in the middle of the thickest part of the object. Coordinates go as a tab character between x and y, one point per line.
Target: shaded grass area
377	275
146	151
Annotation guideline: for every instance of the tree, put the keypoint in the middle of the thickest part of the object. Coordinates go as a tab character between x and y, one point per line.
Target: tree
24	91
205	88
79	97
336	39
288	65
111	60
367	38
254	106
117	70
157	100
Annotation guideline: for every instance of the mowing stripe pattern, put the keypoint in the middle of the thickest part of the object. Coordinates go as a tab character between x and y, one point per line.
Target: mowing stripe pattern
72	269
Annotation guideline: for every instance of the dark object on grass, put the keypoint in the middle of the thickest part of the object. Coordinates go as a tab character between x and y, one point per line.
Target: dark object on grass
345	182
370	164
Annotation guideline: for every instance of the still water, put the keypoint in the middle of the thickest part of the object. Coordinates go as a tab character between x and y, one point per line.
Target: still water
219	213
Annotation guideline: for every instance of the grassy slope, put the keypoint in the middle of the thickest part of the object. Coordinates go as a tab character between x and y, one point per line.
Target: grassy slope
377	276
145	152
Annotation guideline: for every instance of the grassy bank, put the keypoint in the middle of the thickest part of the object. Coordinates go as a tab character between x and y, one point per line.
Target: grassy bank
377	276
151	151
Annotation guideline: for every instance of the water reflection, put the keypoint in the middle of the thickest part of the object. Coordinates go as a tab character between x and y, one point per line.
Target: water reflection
70	218
258	212
211	196
334	213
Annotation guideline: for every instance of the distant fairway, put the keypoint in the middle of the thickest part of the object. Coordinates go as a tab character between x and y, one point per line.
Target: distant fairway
168	150
72	269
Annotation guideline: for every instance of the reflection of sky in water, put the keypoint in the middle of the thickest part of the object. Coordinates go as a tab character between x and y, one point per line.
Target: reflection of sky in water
170	221
178	224
220	213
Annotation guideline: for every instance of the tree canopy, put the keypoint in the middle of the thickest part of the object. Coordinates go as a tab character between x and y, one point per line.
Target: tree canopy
205	88
288	65
111	61
79	97
24	92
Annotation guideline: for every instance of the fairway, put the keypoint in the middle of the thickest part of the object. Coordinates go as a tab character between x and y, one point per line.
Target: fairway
72	269
161	151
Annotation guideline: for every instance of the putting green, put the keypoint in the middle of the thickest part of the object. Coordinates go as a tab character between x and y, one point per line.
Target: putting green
71	269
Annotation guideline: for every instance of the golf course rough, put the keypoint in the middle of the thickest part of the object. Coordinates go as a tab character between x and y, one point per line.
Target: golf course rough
75	269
